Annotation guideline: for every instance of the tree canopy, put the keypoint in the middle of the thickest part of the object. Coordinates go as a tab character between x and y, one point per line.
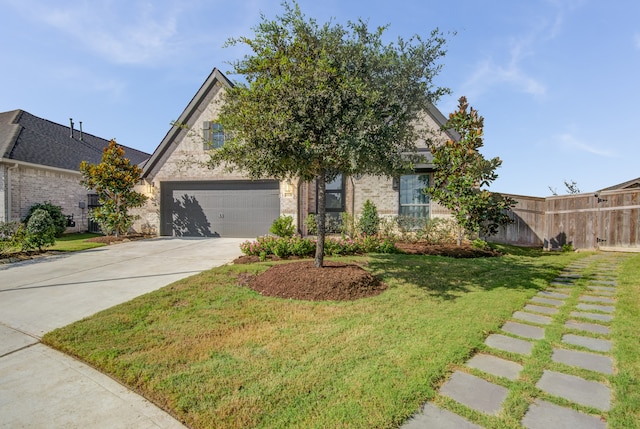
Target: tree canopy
322	100
461	173
113	179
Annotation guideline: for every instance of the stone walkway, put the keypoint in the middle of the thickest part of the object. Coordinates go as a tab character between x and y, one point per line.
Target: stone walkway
549	366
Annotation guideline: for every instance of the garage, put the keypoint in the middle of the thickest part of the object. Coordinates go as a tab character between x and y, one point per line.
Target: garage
226	208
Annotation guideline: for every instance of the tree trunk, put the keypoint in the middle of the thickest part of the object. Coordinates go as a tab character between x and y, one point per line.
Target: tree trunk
321	216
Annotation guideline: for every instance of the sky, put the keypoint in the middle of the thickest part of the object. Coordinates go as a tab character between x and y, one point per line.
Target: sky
557	81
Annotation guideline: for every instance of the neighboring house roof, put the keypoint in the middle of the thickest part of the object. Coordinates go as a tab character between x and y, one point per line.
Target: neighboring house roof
633	183
28	138
199	102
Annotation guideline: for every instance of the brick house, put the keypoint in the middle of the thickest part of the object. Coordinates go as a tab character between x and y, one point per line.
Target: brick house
188	198
39	162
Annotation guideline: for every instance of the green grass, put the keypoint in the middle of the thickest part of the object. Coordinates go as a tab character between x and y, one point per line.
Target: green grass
75	242
625	330
216	354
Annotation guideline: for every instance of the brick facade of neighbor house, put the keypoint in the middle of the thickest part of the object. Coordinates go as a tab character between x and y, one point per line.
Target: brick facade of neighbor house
39	162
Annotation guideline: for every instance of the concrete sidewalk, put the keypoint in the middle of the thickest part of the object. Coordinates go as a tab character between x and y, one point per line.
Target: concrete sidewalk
40	387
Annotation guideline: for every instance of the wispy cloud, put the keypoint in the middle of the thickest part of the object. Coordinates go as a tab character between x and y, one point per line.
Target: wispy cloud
122	33
570	141
511	70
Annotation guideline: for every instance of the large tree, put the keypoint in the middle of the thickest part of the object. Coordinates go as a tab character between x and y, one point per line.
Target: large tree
113	179
323	100
462	173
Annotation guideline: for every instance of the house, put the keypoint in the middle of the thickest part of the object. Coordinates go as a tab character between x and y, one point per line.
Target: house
39	162
188	198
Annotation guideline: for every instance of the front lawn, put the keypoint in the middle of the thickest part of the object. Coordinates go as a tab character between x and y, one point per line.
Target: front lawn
217	354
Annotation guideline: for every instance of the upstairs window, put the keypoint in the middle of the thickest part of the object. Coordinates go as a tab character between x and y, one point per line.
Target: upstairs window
213	135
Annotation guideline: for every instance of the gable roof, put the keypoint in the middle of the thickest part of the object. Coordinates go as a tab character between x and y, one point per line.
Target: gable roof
200	101
187	119
28	138
633	183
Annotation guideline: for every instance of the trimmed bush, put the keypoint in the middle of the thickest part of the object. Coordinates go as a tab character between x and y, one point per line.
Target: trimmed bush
305	247
40	231
59	219
369	222
283	227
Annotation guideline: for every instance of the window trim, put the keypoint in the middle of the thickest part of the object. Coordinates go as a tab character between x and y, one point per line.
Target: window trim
213	135
428	204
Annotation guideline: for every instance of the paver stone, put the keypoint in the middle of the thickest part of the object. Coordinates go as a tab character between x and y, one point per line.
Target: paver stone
433	416
545	415
588	342
590	361
495	365
576	389
474	392
509	344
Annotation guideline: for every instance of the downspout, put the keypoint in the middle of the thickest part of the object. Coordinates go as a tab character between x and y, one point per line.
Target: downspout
8	199
353	199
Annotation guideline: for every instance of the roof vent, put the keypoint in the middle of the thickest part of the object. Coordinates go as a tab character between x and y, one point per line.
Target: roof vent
80	130
71	127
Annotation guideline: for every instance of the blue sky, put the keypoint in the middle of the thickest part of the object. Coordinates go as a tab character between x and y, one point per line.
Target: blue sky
557	81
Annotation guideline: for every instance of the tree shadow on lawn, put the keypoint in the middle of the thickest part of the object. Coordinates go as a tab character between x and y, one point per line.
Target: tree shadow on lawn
449	278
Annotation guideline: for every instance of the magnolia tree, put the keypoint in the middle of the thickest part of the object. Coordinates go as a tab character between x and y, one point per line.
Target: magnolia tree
323	100
462	173
113	180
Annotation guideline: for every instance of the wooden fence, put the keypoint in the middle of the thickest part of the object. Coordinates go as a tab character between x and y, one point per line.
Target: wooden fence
608	220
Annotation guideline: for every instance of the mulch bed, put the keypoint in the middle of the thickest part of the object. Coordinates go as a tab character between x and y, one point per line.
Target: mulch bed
338	281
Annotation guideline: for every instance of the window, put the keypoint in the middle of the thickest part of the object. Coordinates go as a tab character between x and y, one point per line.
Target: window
213	135
414	201
335	203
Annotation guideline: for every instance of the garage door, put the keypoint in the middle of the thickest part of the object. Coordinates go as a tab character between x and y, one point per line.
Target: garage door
218	209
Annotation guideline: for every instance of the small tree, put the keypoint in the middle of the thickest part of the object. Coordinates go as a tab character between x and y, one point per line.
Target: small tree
40	230
59	219
324	100
113	180
369	221
462	172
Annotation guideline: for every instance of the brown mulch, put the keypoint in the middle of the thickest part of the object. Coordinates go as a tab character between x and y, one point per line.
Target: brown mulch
336	281
449	250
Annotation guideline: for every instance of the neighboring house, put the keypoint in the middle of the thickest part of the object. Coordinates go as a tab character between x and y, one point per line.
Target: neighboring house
39	162
188	198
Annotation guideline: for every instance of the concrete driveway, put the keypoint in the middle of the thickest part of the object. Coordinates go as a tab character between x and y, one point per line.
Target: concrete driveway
40	387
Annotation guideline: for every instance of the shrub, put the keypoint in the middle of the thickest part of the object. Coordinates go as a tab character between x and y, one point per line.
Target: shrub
568	247
305	247
479	243
439	231
10	236
311	223
40	231
55	212
369	221
347	226
283	227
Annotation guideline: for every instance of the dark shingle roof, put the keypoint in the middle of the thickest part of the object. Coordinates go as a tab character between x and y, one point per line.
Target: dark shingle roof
25	137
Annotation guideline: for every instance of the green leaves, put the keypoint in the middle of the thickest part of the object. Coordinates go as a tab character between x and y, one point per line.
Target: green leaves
462	172
113	180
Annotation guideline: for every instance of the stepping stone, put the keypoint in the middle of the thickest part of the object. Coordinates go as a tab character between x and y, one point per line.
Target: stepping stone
545	415
533	318
495	365
509	344
557	295
602	288
604	282
548	301
433	416
540	309
475	392
602	299
569	275
590	361
588	342
561	284
592	307
592	316
589	327
522	330
576	389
